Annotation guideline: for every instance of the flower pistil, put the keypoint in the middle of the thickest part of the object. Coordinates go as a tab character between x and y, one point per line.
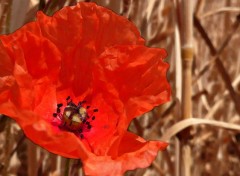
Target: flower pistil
75	118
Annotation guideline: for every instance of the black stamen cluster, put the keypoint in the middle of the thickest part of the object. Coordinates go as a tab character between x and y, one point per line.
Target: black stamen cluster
74	109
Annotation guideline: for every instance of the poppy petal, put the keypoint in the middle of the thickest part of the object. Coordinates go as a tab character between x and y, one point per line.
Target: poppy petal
34	61
136	75
82	32
89	24
35	57
7	82
134	152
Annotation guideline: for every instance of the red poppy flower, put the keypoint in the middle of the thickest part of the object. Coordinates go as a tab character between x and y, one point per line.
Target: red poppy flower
74	82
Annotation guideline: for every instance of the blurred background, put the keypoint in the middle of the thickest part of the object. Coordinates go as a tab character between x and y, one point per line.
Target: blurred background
201	122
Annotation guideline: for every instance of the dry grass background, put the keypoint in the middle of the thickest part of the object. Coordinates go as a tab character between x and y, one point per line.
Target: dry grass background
201	123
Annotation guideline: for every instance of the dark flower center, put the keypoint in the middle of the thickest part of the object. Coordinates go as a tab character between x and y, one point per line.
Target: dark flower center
75	118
